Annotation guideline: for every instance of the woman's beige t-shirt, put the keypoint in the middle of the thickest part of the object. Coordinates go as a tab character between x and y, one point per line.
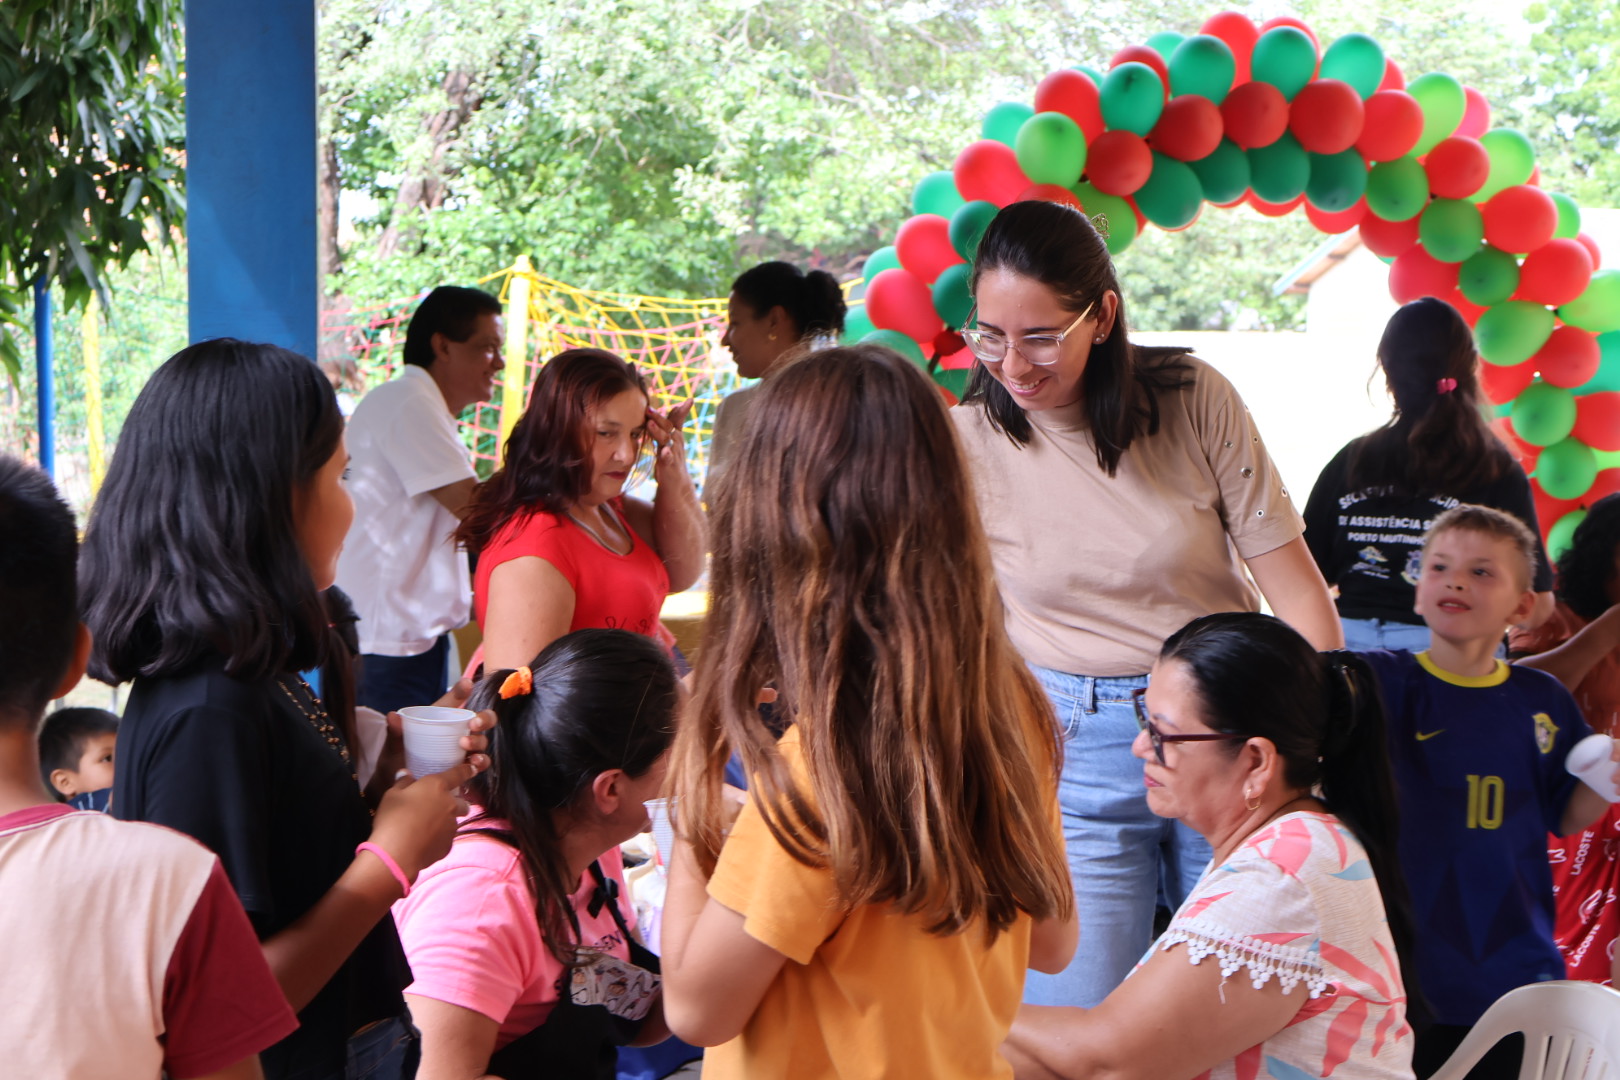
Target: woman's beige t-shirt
1096	571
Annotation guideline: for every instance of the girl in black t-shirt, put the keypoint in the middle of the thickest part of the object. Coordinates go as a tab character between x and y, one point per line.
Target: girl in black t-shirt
203	564
1367	514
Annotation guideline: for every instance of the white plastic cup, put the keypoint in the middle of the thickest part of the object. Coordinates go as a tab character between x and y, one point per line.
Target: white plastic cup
663	828
1591	762
433	738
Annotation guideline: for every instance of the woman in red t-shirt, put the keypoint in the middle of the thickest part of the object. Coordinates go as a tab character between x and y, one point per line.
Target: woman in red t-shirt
559	545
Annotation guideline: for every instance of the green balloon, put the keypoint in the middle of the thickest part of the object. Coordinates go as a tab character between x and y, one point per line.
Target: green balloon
1566	469
1165	43
1512	158
1278	173
1356	59
901	344
1512	332
1224	175
1002	122
1051	149
1562	534
1488	277
884	258
1543	414
936	194
1203	65
1132	98
1397	190
953	379
857	324
1451	230
1171	198
1121	218
1569	216
1090	72
952	299
1608	373
968	225
1443	103
1607	459
1598	308
1285	57
1337	181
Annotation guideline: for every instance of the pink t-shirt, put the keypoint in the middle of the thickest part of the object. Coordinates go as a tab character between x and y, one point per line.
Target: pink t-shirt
470	932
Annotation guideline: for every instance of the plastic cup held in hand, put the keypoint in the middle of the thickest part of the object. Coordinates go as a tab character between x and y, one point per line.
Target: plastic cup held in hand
433	738
1591	762
663	828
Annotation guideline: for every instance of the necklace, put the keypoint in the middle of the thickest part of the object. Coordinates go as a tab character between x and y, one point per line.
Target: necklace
594	535
317	718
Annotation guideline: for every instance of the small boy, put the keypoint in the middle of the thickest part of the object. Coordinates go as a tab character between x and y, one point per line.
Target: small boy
178	985
76	756
1478	750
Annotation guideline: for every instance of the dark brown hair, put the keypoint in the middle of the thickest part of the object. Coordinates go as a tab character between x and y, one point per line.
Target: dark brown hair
851	573
547	466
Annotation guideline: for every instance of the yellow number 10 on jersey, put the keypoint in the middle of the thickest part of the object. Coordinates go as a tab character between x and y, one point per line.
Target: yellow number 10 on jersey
1485	797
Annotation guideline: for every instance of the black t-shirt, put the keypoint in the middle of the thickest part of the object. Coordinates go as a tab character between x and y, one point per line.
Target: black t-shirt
1369	542
237	766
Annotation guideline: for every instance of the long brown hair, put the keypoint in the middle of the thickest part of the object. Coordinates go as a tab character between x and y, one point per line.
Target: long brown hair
850	571
547	466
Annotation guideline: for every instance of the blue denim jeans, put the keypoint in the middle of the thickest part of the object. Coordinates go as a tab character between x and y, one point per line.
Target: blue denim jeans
390	683
390	1050
1120	854
1364	634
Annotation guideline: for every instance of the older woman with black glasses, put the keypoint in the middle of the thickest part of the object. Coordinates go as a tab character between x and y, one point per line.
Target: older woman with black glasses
1124	490
1287	958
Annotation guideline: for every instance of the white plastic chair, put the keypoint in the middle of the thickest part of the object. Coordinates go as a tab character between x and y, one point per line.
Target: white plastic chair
1571	1032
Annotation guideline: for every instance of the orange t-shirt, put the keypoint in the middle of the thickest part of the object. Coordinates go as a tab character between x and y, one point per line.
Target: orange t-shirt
865	992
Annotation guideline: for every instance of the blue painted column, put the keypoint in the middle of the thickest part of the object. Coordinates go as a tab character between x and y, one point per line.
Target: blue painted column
251	171
44	377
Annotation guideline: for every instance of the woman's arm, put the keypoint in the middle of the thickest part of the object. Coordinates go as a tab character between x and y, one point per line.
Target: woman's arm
1052	943
1570	662
676	519
456	1043
530	605
1169	1021
1293	586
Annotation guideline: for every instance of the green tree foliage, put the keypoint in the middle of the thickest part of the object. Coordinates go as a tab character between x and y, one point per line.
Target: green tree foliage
90	127
1574	88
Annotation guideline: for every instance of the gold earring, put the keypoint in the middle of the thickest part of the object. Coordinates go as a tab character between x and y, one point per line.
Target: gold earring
771	337
1249	801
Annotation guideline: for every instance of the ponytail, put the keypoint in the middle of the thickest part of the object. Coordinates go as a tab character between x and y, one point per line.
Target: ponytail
814	301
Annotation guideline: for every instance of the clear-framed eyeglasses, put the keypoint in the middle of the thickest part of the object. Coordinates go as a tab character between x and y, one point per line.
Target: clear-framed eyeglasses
1039	349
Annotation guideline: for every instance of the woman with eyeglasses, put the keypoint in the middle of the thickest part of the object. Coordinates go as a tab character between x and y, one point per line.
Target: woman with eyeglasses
1125	491
559	545
1287	959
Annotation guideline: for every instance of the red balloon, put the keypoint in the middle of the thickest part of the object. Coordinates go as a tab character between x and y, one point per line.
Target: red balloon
988	170
1476	119
1239	34
955	361
1074	95
1326	116
1469	310
948	342
1141	54
1591	247
1048	193
924	246
1548	509
1141	218
1597	422
1389	239
1416	274
1457	167
1188	129
1256	114
1338	221
1535	176
1555	273
1524	453
1394	122
898	300
1503	384
1606	484
1271	209
1118	163
1569	359
1289	20
1519	218
1393	79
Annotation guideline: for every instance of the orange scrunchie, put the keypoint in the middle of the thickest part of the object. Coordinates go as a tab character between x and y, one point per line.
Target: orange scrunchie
520	681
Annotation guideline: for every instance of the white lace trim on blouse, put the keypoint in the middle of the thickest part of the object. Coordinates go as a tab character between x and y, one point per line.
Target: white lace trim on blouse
1289	964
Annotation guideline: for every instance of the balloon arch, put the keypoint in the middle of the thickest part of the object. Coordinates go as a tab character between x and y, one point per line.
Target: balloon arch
1262	115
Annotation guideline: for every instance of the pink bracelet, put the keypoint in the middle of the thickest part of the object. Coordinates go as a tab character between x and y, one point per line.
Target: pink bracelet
388	861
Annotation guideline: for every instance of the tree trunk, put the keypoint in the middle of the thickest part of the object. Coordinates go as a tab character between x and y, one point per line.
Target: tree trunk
426	187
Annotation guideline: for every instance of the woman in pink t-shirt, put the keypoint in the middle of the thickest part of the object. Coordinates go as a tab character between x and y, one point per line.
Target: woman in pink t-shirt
559	546
533	885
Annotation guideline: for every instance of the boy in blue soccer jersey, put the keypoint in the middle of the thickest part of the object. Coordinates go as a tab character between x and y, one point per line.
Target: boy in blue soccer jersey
1478	749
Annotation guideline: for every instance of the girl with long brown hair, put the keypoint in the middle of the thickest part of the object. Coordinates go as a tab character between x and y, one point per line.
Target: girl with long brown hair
900	843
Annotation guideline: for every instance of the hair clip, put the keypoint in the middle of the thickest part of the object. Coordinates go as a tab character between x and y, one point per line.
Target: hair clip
1445	386
1100	223
520	681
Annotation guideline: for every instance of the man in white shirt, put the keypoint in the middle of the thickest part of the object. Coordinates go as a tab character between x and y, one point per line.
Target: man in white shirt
411	478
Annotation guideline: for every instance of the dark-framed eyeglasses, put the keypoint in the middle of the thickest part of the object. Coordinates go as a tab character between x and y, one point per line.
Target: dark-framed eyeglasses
1041	350
1158	738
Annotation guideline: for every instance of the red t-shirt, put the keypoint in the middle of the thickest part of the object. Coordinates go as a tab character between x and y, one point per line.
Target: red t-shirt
623	592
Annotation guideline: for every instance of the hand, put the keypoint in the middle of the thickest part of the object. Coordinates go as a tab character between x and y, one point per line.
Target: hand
416	820
475	742
669	461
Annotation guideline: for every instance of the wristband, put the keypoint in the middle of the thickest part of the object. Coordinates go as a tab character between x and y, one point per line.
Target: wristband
388	861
